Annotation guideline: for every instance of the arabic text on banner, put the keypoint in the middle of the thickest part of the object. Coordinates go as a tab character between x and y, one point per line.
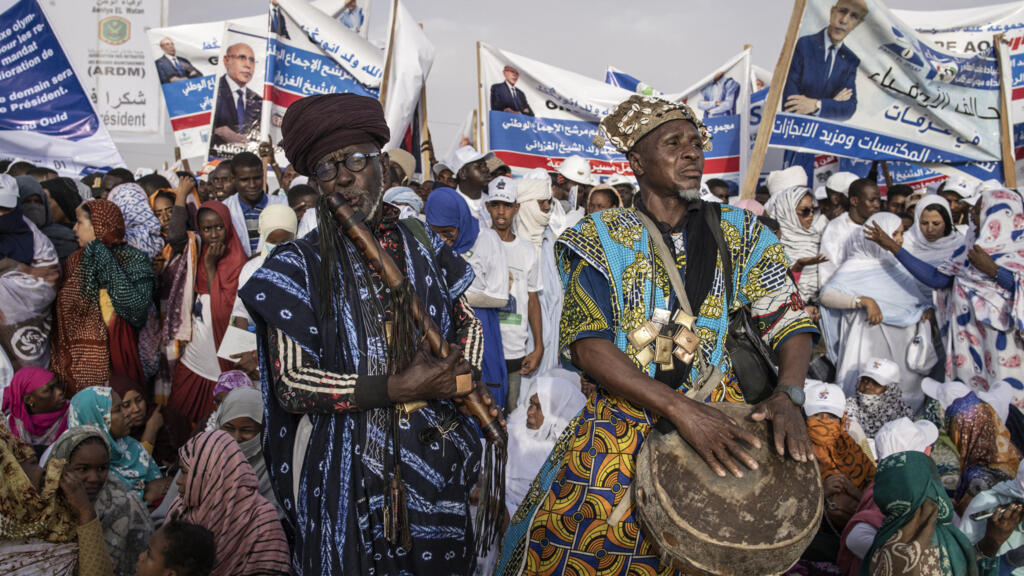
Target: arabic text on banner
45	115
885	93
107	44
313	55
545	115
1014	55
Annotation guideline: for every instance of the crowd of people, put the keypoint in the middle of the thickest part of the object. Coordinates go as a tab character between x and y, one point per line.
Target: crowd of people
203	373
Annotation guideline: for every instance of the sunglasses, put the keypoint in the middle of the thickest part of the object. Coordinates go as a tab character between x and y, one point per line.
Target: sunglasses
805	212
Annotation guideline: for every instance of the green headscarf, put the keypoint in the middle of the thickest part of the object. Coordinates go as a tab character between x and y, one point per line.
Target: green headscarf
903	483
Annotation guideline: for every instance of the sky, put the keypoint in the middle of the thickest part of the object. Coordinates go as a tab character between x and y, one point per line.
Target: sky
669	44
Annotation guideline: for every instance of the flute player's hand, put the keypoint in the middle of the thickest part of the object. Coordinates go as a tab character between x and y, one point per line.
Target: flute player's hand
428	377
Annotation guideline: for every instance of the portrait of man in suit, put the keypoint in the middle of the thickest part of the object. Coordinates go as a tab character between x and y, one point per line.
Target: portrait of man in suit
822	75
719	98
173	68
238	106
506	97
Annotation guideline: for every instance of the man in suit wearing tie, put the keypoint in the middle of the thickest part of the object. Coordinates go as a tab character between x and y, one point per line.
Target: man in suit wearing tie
172	68
506	97
719	98
822	75
238	107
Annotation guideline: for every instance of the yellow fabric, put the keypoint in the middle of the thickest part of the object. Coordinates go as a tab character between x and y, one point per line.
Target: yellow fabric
93	558
106	306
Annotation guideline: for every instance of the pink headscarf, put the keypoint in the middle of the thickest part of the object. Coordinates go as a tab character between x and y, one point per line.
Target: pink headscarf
221	494
750	204
37	429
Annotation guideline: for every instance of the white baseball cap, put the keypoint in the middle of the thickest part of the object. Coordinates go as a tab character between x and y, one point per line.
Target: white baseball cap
990	184
577	169
960	186
820	193
617	179
780	180
465	155
502	189
8	191
945	392
823	397
881	370
902	435
840	182
440	167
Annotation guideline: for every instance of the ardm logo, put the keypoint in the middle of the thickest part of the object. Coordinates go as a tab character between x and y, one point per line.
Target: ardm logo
115	30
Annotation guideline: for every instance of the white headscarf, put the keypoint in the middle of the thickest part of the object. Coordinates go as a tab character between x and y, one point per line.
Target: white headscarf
406	200
901	435
560	399
275	217
798	241
531	222
938	251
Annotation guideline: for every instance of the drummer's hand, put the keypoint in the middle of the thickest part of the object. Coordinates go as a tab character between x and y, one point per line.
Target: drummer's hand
788	426
715	436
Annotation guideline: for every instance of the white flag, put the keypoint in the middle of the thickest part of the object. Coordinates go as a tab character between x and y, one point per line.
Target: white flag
411	54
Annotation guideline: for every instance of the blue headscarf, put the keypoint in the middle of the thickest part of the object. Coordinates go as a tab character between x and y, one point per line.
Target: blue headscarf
446	208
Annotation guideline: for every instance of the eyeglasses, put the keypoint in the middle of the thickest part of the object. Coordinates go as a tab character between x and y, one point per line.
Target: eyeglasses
805	212
355	162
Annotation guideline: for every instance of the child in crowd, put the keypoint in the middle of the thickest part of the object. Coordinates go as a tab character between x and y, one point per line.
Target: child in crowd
877	402
178	549
520	318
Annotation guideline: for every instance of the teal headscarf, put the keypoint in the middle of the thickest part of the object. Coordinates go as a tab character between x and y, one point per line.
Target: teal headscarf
129	461
903	483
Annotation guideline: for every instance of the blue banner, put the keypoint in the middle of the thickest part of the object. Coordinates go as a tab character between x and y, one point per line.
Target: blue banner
45	115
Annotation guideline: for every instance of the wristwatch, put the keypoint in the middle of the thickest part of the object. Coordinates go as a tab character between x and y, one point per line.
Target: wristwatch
795	393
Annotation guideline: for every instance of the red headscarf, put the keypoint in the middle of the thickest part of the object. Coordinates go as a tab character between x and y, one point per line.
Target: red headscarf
47	424
221	494
225	284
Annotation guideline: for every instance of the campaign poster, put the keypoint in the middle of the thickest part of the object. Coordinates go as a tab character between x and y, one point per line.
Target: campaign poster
107	44
1012	65
535	115
864	84
237	104
46	116
313	55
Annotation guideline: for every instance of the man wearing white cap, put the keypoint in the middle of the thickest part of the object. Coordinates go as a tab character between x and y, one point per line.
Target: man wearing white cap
863	199
962	195
472	175
444	175
521	317
576	181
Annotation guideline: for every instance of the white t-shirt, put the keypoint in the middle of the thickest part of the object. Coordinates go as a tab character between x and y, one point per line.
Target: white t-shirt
523	278
201	353
487	258
478	209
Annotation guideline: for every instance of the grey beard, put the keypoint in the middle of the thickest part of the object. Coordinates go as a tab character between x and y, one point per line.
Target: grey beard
689	195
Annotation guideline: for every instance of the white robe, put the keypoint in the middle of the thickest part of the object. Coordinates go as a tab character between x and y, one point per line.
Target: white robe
833	245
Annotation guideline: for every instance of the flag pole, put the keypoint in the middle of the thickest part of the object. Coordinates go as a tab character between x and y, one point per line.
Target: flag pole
480	103
1005	122
764	131
387	62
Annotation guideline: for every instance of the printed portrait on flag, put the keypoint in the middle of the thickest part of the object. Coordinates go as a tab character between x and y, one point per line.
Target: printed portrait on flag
506	97
822	76
173	68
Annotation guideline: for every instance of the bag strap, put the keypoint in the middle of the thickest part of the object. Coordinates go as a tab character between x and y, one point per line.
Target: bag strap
710	376
713	216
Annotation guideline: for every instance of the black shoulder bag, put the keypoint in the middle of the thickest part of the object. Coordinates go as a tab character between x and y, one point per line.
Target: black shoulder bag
753	362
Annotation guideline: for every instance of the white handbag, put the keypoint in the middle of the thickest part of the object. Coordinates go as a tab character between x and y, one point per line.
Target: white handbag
921	355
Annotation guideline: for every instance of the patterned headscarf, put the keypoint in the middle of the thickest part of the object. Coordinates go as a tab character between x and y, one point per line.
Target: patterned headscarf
231	379
872	411
26	512
129	461
837	452
637	116
220	494
143	227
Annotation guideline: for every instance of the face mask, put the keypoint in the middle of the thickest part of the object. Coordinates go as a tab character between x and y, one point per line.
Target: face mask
267	249
36	213
251	447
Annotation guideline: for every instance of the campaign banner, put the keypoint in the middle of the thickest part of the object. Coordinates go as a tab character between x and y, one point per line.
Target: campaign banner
886	92
535	115
186	60
46	116
311	55
723	101
237	119
966	31
108	48
1011	64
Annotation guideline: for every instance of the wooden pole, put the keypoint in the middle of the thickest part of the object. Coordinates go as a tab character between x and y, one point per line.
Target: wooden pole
479	103
387	62
888	177
764	131
1005	122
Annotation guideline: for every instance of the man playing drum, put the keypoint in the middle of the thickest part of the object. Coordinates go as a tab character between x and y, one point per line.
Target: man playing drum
653	356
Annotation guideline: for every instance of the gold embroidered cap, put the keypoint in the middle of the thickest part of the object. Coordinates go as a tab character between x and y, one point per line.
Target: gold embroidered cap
638	115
